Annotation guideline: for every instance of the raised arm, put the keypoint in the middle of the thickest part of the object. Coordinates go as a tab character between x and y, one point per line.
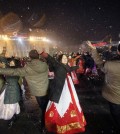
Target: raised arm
98	60
51	61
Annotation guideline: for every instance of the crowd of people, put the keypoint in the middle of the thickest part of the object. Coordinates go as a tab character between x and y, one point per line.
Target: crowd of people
52	80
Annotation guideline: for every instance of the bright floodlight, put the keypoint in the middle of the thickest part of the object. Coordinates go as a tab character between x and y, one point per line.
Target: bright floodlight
19	39
4	37
31	38
45	39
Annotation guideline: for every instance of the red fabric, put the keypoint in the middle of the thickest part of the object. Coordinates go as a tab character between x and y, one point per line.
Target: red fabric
74	77
71	62
73	74
99	44
72	122
81	69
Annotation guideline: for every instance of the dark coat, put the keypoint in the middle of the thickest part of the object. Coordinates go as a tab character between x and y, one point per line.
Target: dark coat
12	93
56	85
89	61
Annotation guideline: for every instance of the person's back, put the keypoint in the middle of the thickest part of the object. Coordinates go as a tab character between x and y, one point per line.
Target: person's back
37	77
111	90
12	93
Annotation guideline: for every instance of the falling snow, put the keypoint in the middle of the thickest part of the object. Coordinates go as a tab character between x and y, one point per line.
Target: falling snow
78	19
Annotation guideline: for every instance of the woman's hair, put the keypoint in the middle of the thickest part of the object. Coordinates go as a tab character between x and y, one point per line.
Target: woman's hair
59	59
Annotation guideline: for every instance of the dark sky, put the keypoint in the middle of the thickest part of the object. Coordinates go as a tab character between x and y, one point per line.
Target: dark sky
72	20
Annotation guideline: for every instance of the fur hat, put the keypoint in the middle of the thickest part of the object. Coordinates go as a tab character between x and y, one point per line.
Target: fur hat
33	54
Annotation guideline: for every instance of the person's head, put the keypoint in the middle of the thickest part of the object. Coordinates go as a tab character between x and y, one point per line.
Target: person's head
33	54
63	59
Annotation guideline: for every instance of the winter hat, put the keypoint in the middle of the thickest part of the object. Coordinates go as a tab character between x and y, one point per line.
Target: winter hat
33	54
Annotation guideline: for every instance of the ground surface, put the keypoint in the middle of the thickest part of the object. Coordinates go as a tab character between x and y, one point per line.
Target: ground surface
95	108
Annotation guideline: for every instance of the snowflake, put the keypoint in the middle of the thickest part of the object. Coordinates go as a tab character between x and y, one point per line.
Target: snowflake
110	27
99	8
92	19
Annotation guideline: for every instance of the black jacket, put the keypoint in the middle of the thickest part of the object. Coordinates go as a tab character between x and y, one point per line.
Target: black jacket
56	85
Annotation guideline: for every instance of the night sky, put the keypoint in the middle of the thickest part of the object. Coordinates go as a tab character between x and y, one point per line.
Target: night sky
73	21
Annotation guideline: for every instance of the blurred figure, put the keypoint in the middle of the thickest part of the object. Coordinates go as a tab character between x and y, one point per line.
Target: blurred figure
10	97
72	62
36	75
111	90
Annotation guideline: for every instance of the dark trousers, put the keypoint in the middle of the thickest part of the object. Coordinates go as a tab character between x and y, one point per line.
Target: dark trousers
42	102
115	111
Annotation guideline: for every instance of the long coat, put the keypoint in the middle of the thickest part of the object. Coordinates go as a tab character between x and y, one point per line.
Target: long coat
60	72
12	92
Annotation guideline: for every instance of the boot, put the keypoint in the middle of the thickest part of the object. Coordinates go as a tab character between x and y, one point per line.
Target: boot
12	121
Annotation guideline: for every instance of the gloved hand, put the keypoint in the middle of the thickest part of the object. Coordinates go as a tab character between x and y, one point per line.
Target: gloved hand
44	54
